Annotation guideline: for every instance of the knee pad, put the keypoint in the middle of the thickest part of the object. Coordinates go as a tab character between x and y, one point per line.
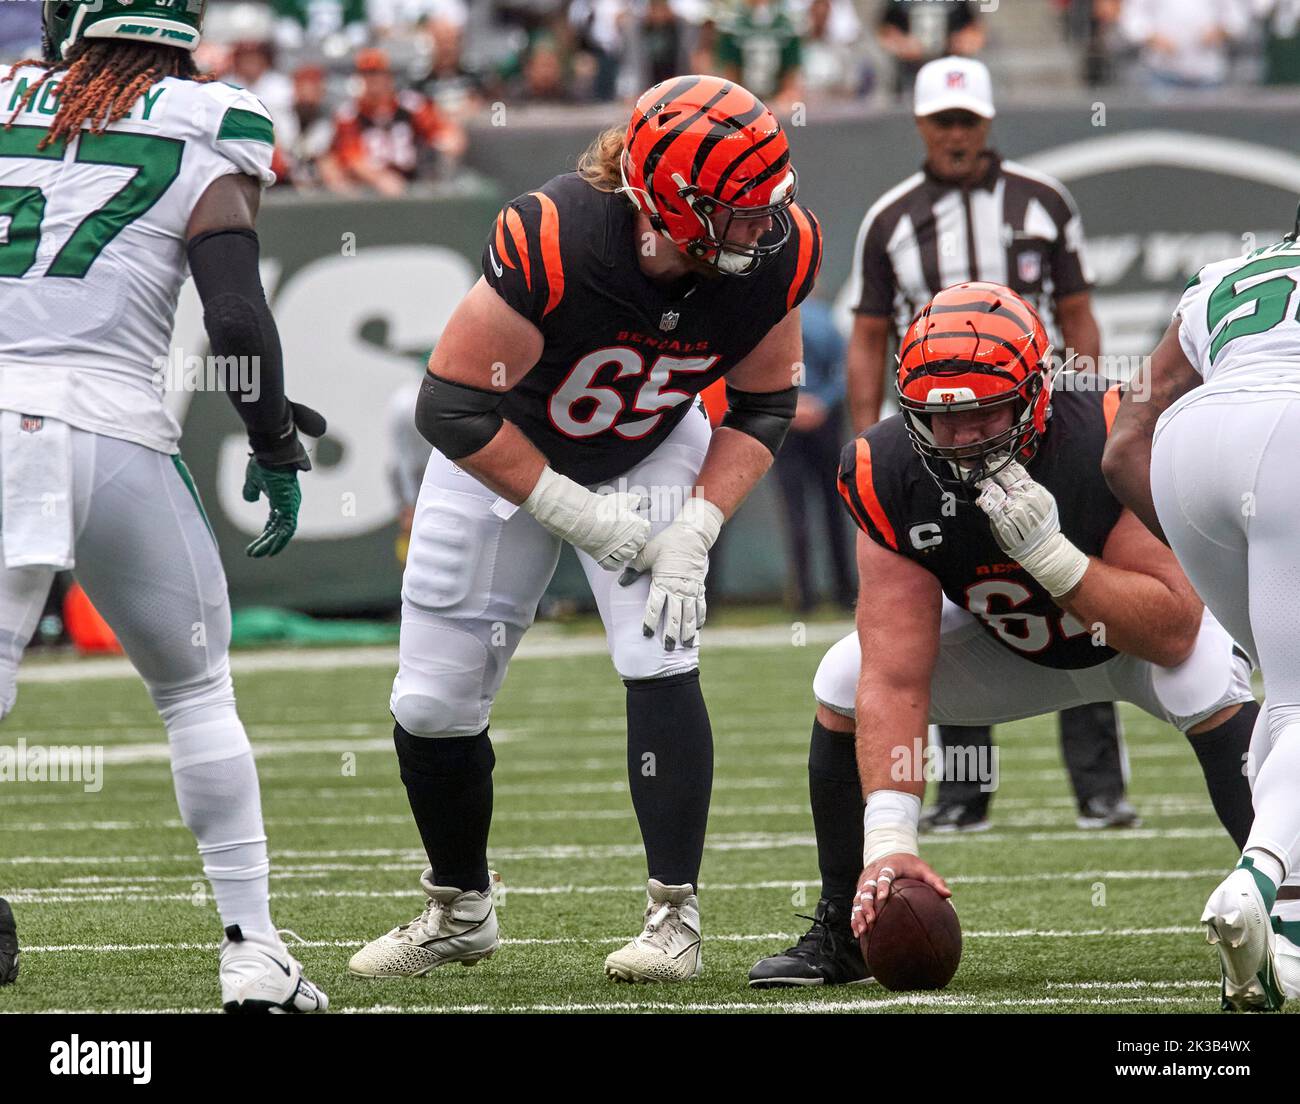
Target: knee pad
835	685
1213	677
441	687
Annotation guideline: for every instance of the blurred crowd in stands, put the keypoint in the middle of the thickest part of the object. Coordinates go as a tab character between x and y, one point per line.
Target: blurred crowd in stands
376	94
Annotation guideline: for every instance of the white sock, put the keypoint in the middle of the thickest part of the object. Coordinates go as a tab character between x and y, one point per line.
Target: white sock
1276	830
220	802
1266	864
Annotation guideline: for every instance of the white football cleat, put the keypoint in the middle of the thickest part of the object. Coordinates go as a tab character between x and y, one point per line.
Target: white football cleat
455	926
668	948
1238	923
258	975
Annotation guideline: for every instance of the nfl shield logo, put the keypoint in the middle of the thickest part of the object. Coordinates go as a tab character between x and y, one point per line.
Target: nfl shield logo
956	79
669	320
1030	266
31	423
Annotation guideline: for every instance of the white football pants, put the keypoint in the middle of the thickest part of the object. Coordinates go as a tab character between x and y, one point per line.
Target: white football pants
1225	468
150	566
477	568
978	681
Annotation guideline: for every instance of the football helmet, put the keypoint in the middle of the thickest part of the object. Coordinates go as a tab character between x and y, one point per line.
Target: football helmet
702	157
972	347
164	22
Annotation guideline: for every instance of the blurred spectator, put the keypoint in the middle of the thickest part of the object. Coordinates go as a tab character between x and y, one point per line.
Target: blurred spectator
1184	43
393	18
833	63
385	139
917	31
662	41
546	77
314	126
600	28
807	465
333	26
757	43
1094	25
1281	40
455	90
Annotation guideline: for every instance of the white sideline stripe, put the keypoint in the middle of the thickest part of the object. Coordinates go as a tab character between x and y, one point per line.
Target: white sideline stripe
536	645
92	883
1188	983
814	1006
576	941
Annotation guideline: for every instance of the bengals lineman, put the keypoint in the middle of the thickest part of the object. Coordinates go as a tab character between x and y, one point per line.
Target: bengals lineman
560	402
1001	579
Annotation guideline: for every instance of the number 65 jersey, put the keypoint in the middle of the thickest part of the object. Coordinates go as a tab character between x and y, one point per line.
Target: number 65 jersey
92	246
897	503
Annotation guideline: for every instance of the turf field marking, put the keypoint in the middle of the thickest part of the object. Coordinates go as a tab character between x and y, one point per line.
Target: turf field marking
535	645
814	1005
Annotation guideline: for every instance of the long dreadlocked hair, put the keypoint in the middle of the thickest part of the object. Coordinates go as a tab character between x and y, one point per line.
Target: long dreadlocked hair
101	80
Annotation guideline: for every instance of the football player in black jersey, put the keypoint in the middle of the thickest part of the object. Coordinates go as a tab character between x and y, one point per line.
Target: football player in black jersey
1000	579
560	401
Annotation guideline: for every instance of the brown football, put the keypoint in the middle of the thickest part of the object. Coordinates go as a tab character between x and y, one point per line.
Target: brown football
915	942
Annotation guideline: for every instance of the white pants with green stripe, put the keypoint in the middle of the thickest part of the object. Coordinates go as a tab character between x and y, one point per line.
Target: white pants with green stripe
149	564
146	559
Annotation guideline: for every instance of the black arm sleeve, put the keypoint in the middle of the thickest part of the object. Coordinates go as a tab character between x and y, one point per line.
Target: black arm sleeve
240	327
764	415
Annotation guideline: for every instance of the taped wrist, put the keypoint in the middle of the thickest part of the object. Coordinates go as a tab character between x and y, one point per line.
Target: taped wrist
455	418
889	824
1057	564
241	330
764	415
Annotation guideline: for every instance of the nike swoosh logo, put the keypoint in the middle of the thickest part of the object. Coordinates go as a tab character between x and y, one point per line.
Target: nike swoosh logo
495	267
282	966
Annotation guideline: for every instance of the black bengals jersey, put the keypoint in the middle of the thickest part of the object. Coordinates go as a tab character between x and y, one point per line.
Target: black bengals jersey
623	355
897	503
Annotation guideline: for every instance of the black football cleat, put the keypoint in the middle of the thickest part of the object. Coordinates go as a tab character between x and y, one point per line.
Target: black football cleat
1108	812
956	817
828	955
8	944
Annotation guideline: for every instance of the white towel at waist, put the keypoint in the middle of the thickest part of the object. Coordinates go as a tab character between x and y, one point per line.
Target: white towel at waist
36	499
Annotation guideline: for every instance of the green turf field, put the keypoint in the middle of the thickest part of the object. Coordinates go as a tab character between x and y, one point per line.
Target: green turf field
113	914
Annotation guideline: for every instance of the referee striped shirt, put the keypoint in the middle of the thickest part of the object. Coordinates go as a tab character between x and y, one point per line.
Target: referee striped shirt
1014	226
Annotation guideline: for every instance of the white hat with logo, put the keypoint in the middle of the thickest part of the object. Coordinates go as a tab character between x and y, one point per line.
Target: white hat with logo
954	84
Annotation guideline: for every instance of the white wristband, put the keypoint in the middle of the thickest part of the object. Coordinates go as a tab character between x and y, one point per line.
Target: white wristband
702	516
889	824
1057	564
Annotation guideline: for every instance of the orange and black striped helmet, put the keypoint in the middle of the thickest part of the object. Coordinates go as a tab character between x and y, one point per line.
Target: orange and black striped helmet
972	347
701	157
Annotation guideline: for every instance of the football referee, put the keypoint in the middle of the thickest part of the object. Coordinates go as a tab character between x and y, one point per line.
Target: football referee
969	215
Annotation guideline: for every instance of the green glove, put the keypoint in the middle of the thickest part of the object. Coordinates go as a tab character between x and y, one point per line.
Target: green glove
285	496
273	471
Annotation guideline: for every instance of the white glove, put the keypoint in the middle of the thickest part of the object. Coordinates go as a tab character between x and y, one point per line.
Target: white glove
606	527
678	560
1025	524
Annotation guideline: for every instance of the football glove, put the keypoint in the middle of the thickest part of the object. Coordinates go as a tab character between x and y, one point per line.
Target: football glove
273	471
1025	523
606	527
678	561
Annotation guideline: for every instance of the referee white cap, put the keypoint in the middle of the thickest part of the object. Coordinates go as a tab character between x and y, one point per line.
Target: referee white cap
954	84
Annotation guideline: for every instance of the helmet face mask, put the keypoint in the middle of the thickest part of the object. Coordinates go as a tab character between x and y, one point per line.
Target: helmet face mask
974	347
176	23
703	159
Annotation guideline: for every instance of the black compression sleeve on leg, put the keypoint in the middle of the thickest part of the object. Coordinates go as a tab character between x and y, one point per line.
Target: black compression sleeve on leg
240	327
670	772
448	782
836	795
1222	755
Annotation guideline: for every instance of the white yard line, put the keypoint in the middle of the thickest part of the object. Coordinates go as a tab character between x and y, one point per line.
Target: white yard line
535	645
815	1005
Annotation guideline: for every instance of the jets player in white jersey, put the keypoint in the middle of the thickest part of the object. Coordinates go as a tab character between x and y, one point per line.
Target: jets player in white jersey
1209	463
118	165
